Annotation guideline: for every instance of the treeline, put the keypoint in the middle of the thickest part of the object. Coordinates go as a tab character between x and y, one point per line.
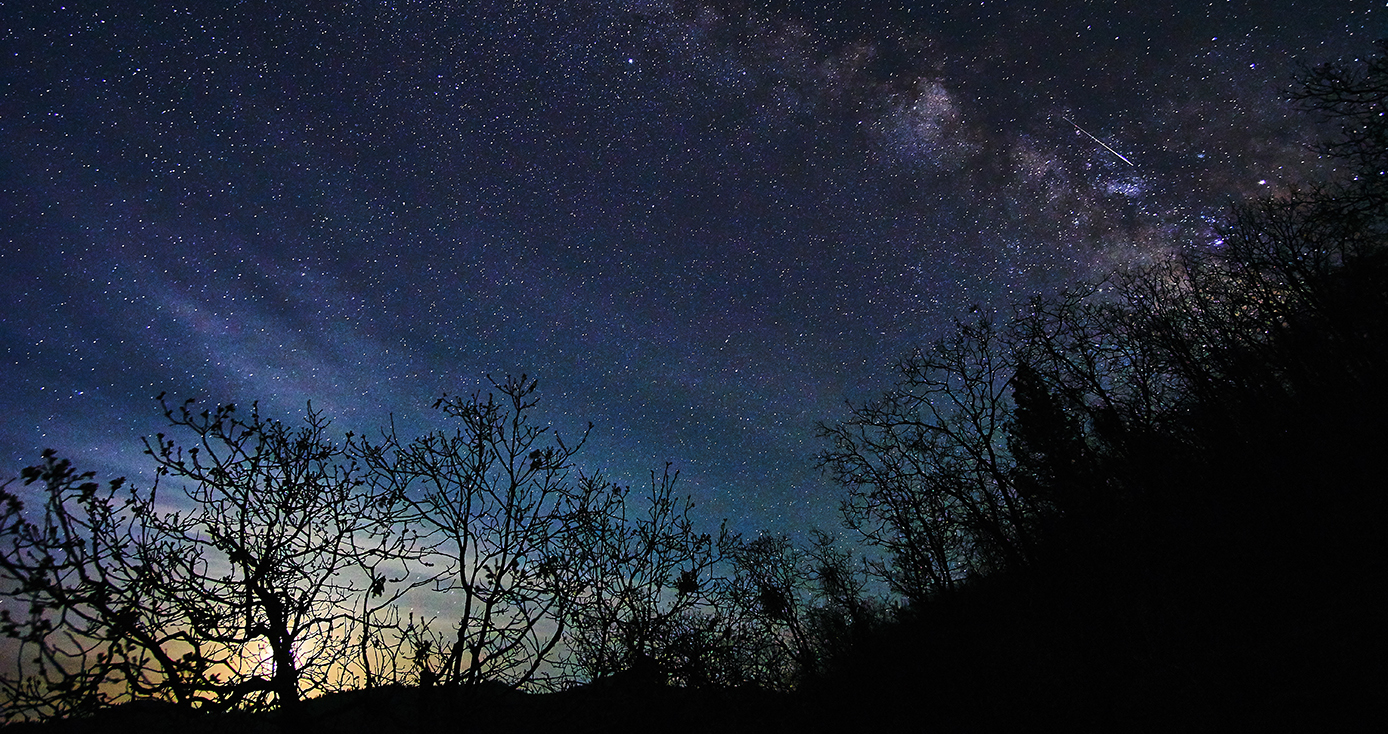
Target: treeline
1154	500
268	564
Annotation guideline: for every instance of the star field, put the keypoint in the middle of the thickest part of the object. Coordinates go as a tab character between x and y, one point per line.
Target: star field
702	226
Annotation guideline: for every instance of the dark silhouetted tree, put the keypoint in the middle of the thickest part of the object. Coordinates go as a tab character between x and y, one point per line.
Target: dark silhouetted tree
237	588
1194	448
807	604
771	582
1354	98
927	466
490	499
641	578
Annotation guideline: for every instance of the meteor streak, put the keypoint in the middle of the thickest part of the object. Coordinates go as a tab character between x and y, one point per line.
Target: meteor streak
1100	142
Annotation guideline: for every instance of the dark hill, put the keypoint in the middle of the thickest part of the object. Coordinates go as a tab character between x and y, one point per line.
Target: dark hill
595	708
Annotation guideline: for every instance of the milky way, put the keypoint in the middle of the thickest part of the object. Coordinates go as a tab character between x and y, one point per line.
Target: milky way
702	227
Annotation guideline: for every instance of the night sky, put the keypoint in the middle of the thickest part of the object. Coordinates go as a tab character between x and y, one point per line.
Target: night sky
702	226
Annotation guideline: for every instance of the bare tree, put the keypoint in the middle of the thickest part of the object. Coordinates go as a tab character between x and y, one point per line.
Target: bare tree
1355	98
802	606
927	466
642	575
91	633
771	584
489	498
237	589
278	523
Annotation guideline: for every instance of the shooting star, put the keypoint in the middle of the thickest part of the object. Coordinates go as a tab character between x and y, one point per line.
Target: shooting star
1100	142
